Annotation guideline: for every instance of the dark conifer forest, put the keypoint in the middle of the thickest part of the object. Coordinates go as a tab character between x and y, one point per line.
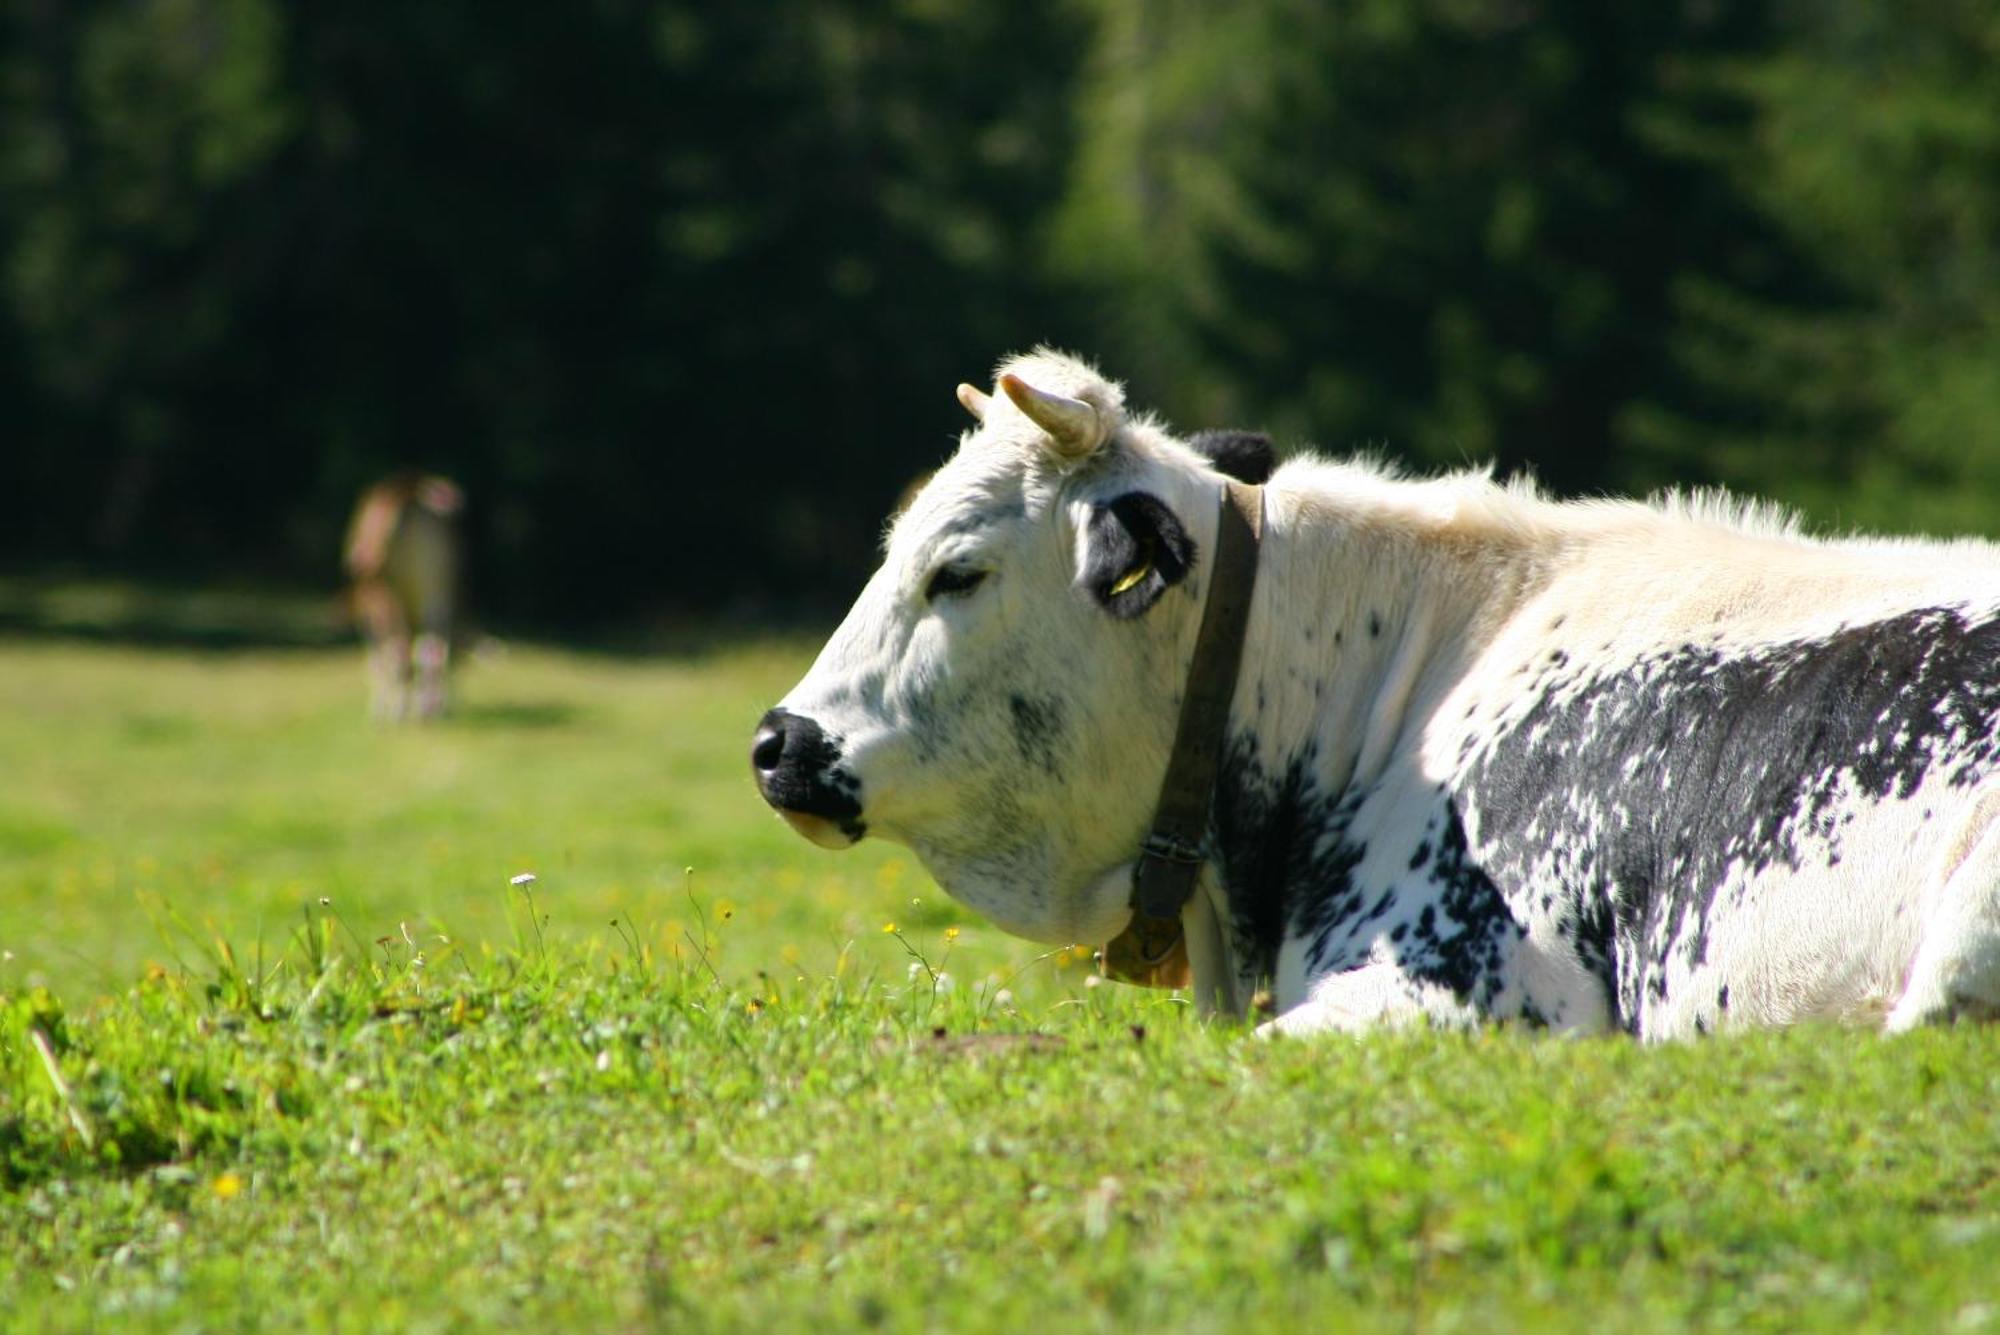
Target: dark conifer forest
679	291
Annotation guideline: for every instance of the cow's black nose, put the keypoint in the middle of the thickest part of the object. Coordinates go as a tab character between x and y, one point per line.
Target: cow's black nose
790	749
798	769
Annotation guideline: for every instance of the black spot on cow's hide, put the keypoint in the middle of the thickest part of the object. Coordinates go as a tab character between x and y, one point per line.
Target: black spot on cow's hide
1135	534
1468	958
1292	864
1246	456
1639	794
1269	829
1038	730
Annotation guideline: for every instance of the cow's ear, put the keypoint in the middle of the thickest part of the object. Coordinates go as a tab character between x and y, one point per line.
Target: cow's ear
1246	456
1136	550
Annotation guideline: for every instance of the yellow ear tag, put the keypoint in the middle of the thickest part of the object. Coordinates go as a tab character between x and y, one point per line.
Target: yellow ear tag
1130	579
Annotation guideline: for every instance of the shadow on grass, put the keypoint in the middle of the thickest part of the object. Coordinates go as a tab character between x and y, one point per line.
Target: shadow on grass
177	614
110	611
514	714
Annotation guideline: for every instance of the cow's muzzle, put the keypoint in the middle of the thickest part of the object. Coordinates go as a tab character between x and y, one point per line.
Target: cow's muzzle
799	773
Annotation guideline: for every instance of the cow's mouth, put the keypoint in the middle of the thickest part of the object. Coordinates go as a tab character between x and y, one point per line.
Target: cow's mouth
826	833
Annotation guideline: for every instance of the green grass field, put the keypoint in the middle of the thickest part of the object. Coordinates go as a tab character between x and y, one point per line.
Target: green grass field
280	1047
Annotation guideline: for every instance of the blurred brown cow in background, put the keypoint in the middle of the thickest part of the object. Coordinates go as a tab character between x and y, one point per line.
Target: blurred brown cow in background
405	556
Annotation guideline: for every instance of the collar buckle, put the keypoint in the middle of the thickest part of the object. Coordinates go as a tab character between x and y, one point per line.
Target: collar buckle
1164	847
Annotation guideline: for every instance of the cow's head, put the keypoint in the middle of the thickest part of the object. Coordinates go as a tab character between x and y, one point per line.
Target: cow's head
1002	696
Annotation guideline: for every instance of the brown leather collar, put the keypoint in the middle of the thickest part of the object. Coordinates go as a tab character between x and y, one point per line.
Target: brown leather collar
1152	950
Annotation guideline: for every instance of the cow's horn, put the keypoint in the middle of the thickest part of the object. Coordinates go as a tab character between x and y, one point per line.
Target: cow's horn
975	402
1071	423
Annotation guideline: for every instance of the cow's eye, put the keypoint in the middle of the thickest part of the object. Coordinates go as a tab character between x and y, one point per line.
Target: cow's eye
951	581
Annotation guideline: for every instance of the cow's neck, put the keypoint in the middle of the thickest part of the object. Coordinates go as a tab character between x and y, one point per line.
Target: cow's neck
1362	623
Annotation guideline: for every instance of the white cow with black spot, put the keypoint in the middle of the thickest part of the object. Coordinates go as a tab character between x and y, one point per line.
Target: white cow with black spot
1595	765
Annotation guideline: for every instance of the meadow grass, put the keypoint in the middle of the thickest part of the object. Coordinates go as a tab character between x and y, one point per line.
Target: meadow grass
282	1047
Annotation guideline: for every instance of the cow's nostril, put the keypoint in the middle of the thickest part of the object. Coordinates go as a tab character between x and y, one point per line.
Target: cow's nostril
768	748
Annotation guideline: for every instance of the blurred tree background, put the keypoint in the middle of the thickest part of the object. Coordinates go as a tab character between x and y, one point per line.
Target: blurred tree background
680	290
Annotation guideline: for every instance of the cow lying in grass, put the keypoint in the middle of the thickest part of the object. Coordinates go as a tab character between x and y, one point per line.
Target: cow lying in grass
404	557
1662	768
